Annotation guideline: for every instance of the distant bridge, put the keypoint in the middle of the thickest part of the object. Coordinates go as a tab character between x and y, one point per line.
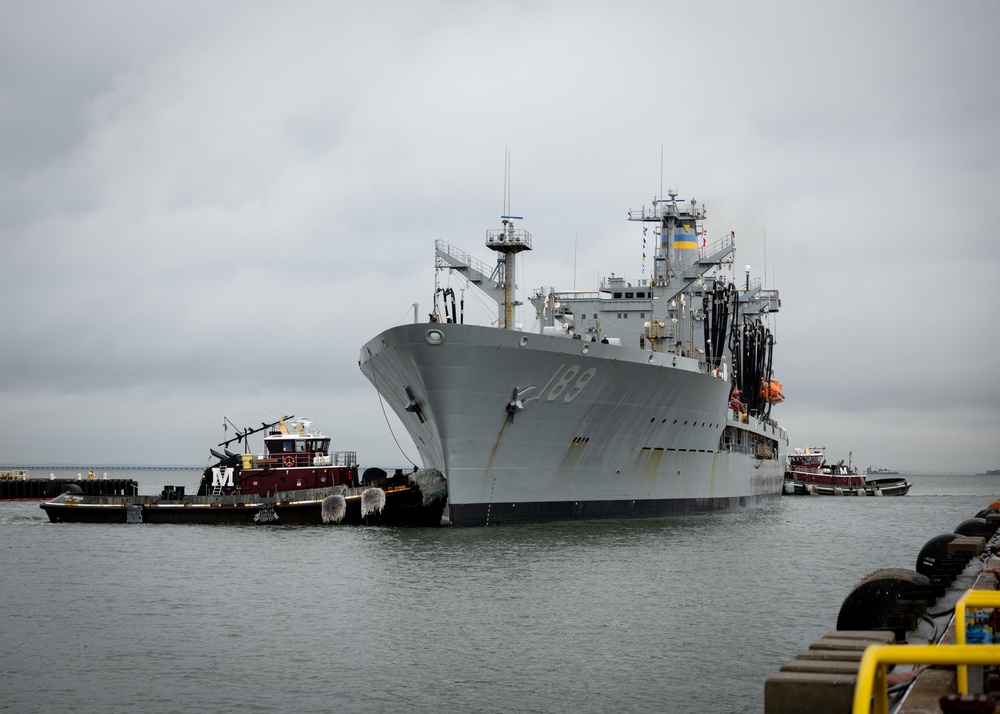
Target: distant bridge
95	469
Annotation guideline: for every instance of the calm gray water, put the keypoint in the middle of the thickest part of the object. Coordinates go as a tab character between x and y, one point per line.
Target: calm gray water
672	615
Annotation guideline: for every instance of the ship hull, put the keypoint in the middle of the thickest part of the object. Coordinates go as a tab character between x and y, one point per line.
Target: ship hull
529	427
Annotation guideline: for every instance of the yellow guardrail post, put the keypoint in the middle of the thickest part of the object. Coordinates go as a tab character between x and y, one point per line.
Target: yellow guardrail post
871	673
972	598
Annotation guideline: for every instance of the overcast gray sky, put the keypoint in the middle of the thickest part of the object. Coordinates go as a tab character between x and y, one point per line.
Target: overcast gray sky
207	208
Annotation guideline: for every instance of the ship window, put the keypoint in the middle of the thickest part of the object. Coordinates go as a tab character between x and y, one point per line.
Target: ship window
628	296
618	296
640	295
619	316
642	316
288	445
300	445
625	315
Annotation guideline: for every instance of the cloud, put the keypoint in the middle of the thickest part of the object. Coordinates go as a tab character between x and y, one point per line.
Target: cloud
221	204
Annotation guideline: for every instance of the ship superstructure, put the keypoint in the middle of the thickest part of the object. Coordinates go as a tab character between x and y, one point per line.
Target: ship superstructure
640	398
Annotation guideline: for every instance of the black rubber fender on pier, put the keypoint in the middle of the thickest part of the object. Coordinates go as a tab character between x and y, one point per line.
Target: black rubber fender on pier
71	488
975	527
934	554
871	605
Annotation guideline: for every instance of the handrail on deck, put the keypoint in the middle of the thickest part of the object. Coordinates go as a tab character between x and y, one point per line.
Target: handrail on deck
871	673
972	598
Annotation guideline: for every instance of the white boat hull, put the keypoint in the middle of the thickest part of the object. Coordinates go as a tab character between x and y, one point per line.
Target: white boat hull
528	427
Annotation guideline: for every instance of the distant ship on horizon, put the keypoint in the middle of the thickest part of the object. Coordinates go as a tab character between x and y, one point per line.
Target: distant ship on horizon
880	471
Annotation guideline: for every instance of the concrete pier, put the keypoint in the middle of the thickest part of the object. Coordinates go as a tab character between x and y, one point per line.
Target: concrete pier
822	679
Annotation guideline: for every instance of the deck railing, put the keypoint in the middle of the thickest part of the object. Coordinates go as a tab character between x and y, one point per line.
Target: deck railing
872	672
971	599
292	459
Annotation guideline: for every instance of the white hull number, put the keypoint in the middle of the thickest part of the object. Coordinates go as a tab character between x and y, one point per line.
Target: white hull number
562	384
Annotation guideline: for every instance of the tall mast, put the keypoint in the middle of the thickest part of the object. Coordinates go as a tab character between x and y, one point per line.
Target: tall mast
507	242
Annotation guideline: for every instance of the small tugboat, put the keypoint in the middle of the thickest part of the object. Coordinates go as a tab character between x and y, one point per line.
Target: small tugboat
296	480
808	474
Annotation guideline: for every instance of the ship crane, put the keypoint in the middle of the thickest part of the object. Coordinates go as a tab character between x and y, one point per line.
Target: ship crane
498	283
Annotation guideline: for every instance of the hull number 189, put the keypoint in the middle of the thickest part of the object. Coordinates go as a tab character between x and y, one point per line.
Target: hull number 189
567	384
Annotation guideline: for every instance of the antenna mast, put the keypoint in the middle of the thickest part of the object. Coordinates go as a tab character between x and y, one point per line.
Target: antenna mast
506	181
661	171
507	242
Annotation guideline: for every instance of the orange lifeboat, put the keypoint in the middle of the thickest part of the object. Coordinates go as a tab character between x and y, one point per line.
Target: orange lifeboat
734	402
772	391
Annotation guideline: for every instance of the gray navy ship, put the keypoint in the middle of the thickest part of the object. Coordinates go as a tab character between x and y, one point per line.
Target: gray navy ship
636	399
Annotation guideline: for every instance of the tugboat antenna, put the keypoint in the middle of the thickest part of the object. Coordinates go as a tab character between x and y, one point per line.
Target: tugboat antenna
241	435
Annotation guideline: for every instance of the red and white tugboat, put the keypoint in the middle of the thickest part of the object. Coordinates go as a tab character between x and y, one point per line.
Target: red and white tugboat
295	480
808	474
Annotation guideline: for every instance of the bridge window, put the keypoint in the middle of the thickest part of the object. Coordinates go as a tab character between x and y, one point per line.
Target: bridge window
628	296
286	445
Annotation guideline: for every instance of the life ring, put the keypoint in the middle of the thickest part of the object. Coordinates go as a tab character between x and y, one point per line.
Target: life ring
289	460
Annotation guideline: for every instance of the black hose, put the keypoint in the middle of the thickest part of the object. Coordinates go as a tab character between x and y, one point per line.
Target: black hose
769	373
707	327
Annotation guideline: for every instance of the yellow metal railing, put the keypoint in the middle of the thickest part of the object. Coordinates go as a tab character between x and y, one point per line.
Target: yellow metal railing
871	673
973	599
